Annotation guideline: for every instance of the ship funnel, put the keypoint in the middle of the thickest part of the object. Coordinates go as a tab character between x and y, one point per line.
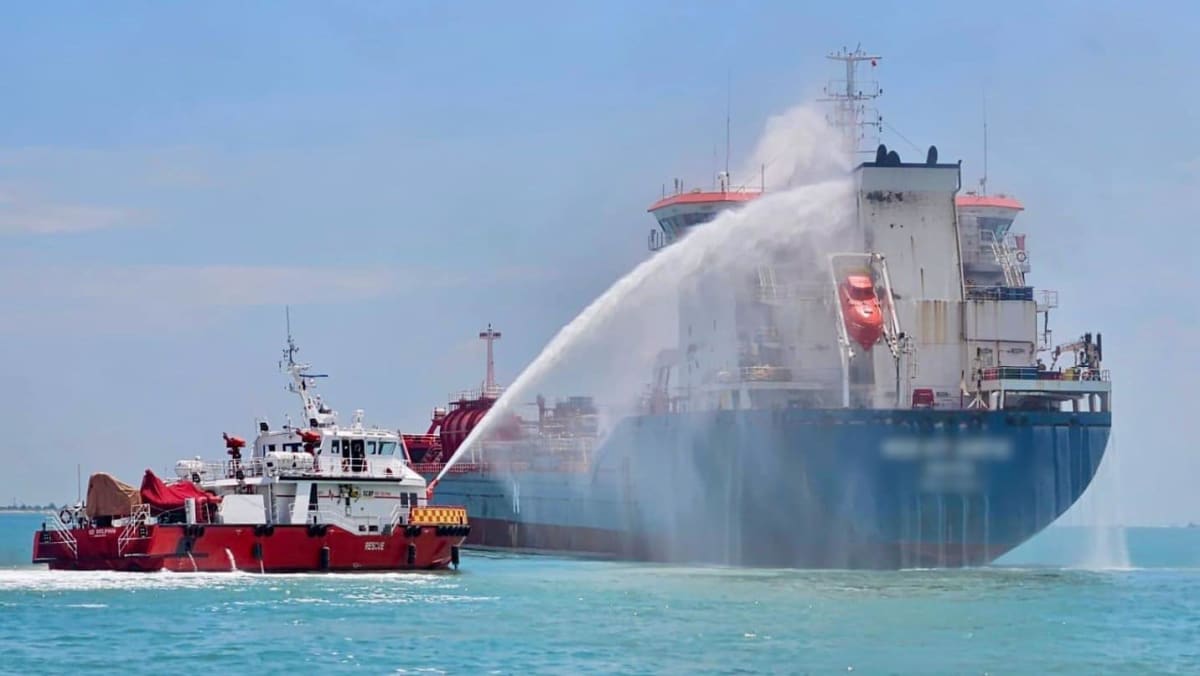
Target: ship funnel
931	156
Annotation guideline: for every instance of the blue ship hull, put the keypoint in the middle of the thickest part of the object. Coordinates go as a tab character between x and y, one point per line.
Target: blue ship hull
795	488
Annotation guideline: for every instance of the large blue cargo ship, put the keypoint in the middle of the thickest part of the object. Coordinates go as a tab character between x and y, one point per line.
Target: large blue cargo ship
807	488
899	403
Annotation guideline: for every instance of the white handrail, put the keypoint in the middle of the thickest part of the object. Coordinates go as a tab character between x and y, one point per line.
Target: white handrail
63	532
139	517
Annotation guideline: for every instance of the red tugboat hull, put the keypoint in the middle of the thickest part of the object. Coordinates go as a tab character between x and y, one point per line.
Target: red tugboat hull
248	548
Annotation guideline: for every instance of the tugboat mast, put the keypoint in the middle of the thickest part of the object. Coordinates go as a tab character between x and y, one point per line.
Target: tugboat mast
316	413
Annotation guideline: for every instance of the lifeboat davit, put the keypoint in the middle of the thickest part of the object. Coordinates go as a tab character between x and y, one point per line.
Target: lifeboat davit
860	309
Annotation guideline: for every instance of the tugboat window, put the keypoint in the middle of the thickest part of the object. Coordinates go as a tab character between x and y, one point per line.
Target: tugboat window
404	499
387	448
371	448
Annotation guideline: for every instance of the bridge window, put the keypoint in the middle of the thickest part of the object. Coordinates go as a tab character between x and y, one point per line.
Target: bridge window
371	449
412	499
404	499
387	448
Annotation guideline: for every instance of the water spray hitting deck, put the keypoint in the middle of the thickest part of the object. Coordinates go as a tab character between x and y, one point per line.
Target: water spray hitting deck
839	368
732	240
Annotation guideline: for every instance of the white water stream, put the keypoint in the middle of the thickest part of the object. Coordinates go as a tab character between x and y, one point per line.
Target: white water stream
809	198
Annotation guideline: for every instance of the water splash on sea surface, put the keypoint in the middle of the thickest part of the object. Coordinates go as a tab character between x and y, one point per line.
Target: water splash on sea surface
1099	512
1109	544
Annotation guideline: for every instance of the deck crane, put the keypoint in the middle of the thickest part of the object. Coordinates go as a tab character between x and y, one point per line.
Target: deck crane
1087	352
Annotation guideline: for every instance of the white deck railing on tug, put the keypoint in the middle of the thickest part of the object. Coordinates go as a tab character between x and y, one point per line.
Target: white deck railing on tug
257	467
60	531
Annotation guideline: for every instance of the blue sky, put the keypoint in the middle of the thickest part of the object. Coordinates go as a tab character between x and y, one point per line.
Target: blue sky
401	174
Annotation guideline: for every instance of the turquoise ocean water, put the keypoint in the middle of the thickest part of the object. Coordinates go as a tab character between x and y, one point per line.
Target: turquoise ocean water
1037	613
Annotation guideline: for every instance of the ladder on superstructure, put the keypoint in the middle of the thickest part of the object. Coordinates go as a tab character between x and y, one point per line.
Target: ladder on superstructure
1007	259
768	289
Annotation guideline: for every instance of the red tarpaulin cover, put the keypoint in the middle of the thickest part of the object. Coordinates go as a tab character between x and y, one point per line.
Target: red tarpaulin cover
164	498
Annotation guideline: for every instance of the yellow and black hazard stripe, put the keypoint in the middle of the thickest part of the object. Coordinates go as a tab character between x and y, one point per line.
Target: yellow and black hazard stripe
438	516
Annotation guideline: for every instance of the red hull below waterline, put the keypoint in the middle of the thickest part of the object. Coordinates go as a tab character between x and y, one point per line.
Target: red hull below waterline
268	549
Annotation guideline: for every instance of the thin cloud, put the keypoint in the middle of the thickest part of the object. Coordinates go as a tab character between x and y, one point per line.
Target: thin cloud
24	214
131	298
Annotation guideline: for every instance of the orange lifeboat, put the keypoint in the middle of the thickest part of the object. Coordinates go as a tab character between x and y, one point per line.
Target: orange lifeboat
860	310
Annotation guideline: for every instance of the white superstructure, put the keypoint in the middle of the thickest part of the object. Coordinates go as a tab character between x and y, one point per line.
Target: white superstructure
354	476
960	326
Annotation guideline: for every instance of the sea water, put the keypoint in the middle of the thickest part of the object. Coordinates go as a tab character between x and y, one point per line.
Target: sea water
531	614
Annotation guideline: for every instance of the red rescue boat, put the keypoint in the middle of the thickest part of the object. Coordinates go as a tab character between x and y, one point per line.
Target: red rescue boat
325	498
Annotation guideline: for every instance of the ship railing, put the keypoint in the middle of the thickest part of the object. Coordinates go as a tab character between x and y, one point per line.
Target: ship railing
1034	373
457	468
60	532
328	466
211	471
136	528
492	392
976	292
253	467
422	440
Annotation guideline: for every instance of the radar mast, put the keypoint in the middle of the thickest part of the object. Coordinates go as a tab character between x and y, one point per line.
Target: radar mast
851	115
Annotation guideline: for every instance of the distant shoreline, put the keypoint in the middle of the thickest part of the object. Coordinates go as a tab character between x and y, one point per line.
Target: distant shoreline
27	510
